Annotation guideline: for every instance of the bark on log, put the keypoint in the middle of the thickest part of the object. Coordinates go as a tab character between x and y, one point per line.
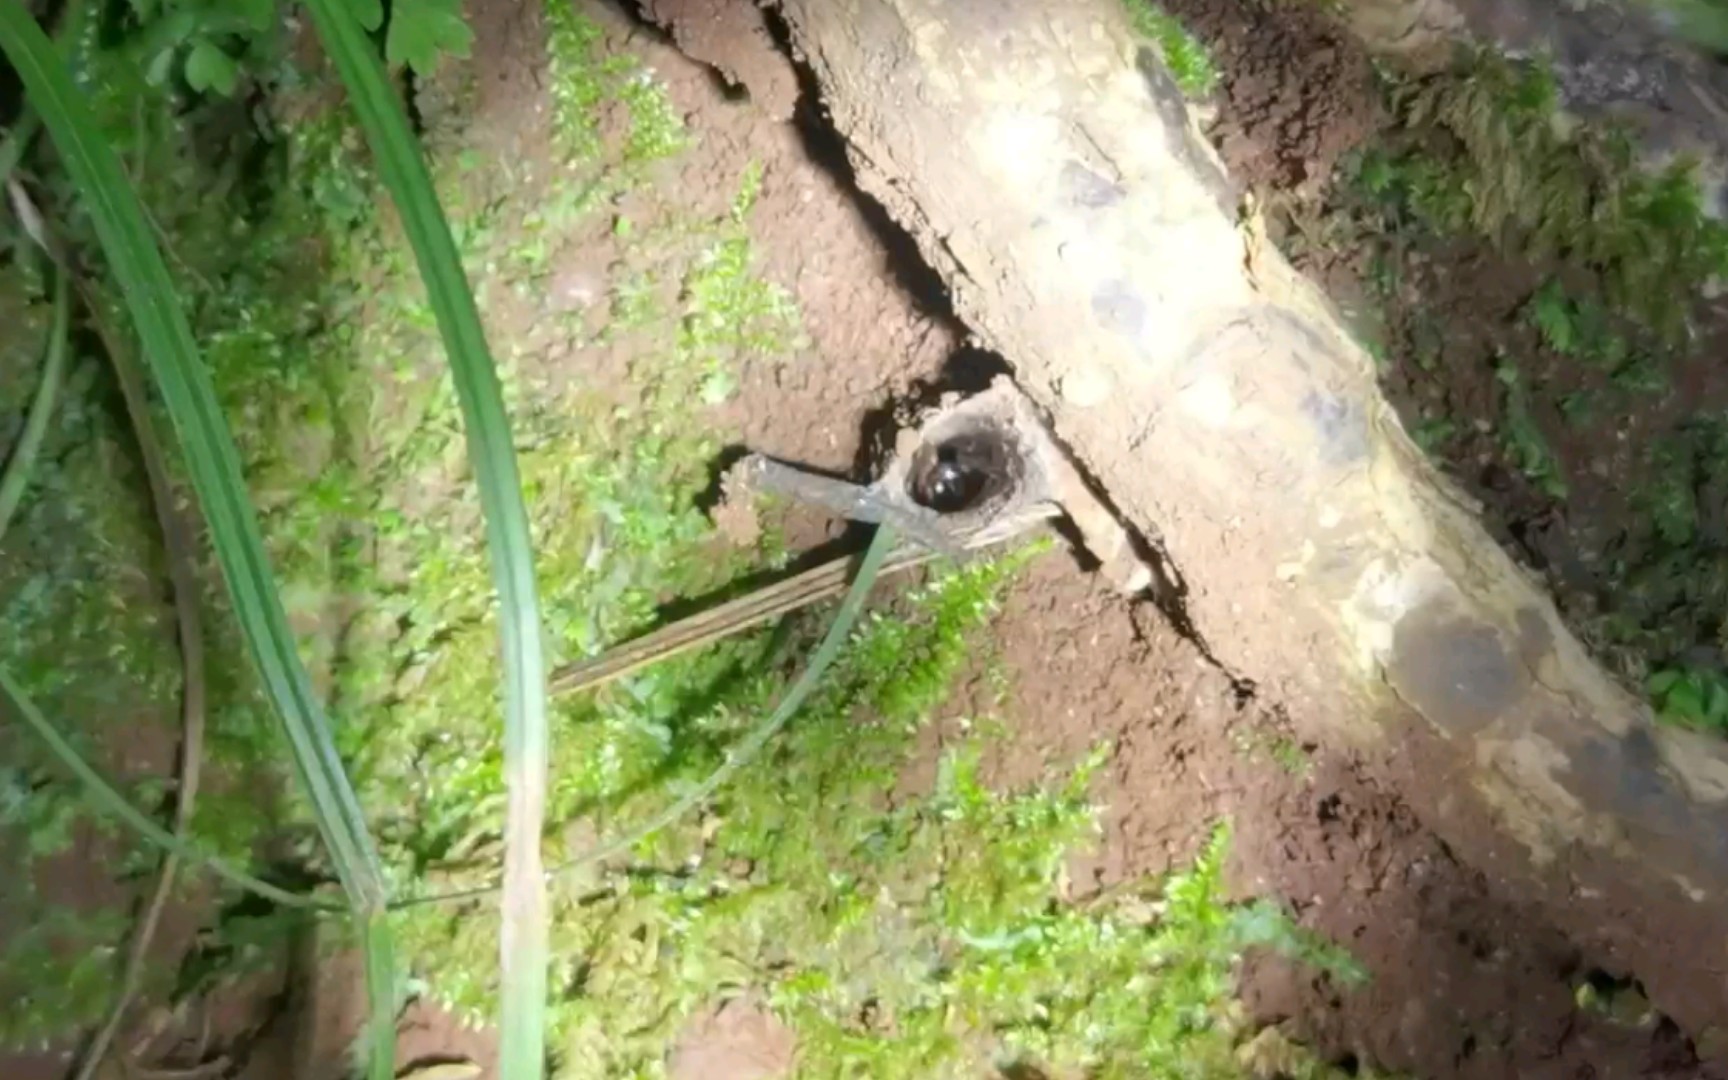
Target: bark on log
1047	167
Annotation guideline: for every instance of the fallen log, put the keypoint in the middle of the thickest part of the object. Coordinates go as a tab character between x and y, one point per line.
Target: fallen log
1047	167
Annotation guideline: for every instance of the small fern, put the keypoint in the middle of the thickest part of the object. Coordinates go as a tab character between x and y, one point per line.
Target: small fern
1524	442
1553	190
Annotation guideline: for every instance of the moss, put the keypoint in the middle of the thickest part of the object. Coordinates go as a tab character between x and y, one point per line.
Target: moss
1525	444
1485	147
729	314
585	79
1485	152
922	939
1184	56
56	971
575	79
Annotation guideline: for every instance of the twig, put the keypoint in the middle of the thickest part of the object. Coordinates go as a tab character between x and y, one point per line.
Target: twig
752	744
209	1070
706	627
746	749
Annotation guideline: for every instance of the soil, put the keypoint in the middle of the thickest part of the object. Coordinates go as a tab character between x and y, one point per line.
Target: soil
738	1040
1466	981
733	40
1296	93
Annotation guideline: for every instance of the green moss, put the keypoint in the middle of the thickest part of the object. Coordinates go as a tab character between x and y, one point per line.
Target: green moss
1486	147
56	968
1280	749
1184	56
656	129
1292	757
1524	441
575	79
585	78
729	313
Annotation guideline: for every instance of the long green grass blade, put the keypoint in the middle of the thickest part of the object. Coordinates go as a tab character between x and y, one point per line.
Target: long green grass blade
492	454
16	476
379	949
209	447
103	795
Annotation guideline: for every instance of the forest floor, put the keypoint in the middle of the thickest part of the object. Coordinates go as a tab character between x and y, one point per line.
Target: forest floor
715	281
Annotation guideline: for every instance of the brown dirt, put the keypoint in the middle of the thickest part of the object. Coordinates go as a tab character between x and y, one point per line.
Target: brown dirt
1467	981
873	316
732	39
1297	94
737	1040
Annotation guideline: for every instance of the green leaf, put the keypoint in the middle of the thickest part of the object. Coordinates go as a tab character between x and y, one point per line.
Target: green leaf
491	452
421	31
1684	700
368	13
257	14
209	68
378	946
160	67
1552	314
1716	703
